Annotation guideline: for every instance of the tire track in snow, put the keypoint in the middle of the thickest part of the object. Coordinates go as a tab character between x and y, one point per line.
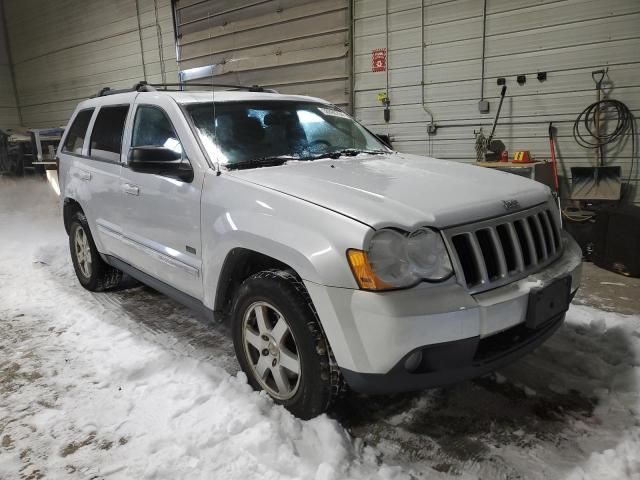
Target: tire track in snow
570	410
526	426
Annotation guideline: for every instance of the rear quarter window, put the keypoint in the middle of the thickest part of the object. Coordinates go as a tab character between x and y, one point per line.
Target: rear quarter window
106	137
77	132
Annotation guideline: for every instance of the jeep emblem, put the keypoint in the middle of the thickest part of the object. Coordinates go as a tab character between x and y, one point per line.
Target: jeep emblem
510	205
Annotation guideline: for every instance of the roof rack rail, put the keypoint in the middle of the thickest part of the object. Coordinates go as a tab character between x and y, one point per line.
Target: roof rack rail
250	88
153	87
138	87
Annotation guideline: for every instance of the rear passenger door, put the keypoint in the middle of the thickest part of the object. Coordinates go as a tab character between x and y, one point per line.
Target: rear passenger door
92	150
161	214
104	152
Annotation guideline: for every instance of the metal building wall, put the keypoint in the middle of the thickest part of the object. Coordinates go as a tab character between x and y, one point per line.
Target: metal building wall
66	50
294	46
8	106
565	38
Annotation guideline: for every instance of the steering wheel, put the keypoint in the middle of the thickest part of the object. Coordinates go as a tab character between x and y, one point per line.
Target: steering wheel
312	146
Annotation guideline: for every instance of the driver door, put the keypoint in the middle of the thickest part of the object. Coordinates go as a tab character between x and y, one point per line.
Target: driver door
161	214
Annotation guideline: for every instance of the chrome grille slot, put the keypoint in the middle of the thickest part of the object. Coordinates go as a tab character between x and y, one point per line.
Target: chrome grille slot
538	237
462	245
489	253
548	234
555	234
508	247
498	251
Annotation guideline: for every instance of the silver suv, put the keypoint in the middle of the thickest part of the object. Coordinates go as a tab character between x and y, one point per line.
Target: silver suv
335	260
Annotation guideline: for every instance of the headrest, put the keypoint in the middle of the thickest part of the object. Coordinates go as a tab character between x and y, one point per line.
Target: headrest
248	128
278	118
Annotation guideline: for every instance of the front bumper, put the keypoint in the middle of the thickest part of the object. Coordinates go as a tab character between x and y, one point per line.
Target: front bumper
461	335
452	362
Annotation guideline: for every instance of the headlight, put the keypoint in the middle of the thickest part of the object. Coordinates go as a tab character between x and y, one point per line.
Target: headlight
394	260
388	258
428	255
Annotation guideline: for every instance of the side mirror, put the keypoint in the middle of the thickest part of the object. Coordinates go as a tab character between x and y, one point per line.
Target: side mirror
159	161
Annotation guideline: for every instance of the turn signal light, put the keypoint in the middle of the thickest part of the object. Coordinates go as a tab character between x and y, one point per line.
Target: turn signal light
366	278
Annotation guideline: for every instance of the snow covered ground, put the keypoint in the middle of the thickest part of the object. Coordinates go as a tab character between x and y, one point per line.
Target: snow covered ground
131	385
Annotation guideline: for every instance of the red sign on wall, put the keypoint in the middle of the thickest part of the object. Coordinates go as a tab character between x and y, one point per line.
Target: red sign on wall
379	60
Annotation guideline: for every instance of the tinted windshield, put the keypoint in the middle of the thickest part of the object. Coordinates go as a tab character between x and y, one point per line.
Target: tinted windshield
254	132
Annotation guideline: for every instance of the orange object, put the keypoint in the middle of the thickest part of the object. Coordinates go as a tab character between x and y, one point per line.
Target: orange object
523	156
361	268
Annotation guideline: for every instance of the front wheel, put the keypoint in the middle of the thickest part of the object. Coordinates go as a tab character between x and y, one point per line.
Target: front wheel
280	344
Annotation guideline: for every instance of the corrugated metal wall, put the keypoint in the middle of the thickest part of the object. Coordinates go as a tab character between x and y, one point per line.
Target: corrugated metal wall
66	50
565	38
8	106
294	46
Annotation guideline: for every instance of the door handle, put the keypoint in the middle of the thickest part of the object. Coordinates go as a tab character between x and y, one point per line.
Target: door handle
131	189
86	176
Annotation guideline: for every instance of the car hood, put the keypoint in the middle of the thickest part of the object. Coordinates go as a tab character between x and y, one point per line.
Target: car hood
401	190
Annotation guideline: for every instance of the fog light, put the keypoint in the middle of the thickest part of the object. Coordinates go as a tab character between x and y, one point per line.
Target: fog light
413	361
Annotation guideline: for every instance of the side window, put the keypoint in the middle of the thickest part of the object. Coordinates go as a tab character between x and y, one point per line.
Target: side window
77	132
106	138
152	127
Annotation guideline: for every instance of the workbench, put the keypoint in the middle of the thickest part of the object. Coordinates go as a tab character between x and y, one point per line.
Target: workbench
539	171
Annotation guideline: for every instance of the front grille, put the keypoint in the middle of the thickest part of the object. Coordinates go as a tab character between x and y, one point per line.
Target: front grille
498	251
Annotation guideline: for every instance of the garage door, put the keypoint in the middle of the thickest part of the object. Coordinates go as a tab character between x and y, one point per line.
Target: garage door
293	46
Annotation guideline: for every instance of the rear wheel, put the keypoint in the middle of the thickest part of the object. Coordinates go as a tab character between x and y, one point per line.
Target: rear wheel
280	344
92	272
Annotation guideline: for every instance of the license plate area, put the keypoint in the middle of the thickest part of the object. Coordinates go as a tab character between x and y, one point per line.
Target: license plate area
548	302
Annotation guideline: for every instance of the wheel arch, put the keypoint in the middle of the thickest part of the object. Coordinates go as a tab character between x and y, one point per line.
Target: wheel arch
239	264
69	208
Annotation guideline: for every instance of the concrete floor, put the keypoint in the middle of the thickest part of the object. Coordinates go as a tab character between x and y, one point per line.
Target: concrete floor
608	291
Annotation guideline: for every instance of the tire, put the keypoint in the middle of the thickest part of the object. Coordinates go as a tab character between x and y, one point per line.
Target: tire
92	272
279	296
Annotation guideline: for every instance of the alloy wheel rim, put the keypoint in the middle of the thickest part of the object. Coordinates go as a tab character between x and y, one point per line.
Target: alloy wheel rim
271	350
83	252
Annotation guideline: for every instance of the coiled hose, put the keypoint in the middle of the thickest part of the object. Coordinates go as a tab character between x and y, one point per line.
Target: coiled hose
586	135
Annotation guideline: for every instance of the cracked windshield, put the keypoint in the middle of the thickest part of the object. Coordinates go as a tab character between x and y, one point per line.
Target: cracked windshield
259	134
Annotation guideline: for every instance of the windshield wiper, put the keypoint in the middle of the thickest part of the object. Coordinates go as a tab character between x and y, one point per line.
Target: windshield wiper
282	159
261	162
345	152
356	151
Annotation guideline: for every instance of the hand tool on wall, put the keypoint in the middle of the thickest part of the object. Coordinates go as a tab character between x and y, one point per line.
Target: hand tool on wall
495	147
598	77
552	148
601	182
